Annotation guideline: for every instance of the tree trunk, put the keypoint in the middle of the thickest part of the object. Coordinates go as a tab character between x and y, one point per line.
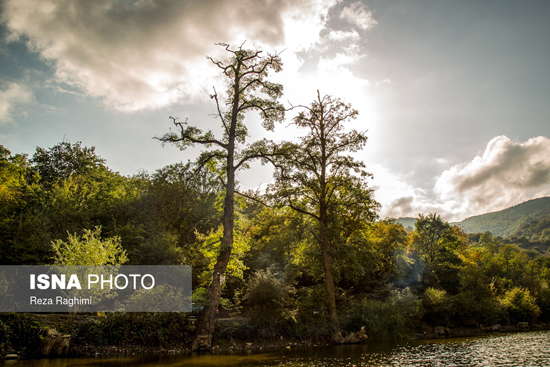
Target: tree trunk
205	326
329	279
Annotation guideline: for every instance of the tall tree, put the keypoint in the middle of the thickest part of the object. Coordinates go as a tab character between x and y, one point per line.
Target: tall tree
248	90
320	181
436	243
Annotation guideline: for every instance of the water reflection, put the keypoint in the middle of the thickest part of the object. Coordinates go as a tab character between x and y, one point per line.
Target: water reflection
522	349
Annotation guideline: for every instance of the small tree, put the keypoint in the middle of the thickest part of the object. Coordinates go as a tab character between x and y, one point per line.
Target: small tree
248	90
89	249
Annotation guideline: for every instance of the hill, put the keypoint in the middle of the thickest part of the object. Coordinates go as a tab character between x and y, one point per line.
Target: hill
506	222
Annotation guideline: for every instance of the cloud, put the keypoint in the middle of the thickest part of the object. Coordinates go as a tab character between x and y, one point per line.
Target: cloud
146	54
388	186
13	95
358	15
507	173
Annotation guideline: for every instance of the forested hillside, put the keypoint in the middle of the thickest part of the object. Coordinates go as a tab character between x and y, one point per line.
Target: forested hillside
506	222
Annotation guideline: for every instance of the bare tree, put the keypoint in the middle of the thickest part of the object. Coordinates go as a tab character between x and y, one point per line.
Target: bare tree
248	90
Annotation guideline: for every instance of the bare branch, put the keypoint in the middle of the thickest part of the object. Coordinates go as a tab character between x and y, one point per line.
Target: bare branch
187	134
300	210
252	198
215	97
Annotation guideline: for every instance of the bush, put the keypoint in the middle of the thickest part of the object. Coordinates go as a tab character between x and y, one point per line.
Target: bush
437	306
472	311
142	329
312	318
393	319
266	300
520	305
543	300
19	333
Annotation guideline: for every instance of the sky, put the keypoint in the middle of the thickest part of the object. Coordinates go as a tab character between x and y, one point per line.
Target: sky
453	95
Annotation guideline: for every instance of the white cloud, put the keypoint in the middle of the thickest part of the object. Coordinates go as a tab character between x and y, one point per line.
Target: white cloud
398	197
147	54
507	173
13	95
343	36
358	15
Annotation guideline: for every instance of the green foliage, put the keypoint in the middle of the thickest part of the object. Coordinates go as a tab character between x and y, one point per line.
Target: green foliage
276	275
23	236
89	249
504	223
65	160
281	239
211	245
469	310
433	237
372	257
543	301
266	301
123	329
436	306
520	305
437	243
393	319
19	333
317	178
156	216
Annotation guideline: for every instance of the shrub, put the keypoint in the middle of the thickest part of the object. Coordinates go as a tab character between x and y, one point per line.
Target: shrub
437	306
266	300
469	310
393	319
543	300
520	305
122	329
19	333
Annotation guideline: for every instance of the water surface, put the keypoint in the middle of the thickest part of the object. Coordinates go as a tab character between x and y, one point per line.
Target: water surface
519	349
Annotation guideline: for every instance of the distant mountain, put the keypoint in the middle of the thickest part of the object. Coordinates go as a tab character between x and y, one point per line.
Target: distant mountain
505	222
407	222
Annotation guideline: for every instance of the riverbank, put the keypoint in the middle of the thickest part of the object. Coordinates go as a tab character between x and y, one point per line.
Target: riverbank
32	336
503	349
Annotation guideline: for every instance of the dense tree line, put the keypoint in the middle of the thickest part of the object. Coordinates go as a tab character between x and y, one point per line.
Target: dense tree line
276	274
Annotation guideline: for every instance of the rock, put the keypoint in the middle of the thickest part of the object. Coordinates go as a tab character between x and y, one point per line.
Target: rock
203	342
495	327
356	338
11	356
54	344
523	325
440	330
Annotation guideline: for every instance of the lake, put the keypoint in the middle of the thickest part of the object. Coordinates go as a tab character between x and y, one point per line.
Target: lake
517	349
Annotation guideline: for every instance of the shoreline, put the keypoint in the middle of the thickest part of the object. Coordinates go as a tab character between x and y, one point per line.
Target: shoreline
80	349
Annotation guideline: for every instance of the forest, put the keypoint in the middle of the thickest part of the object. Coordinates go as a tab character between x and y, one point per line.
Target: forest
309	258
